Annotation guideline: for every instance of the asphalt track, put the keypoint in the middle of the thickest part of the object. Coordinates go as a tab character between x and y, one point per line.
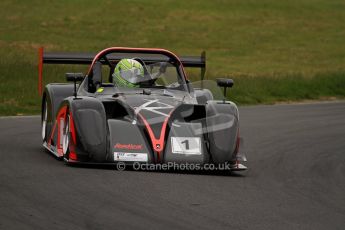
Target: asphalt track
296	180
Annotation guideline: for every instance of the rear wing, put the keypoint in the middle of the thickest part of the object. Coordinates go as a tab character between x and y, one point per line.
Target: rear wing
87	58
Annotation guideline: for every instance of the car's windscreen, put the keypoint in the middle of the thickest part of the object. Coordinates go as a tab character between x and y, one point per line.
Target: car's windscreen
148	71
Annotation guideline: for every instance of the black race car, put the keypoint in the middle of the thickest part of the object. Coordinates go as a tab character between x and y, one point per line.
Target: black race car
165	118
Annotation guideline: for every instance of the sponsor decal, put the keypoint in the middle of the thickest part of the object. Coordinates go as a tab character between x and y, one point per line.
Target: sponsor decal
128	146
136	157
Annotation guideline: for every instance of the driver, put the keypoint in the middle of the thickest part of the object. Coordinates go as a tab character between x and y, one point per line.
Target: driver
128	73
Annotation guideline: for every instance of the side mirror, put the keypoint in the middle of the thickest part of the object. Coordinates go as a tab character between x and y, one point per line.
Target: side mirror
224	82
75	77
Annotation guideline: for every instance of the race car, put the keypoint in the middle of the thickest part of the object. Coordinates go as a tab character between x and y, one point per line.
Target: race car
137	105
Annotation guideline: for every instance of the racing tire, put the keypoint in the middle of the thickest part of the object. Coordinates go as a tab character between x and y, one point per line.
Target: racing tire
44	119
66	137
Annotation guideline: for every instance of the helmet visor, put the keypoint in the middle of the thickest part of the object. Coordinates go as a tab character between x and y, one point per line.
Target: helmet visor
132	75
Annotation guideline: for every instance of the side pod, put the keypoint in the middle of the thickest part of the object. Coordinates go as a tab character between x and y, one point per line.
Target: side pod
90	124
222	128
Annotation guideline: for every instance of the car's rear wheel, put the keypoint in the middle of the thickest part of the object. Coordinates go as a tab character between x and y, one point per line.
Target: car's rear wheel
44	121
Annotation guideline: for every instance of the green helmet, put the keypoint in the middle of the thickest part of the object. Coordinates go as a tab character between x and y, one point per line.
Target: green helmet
128	73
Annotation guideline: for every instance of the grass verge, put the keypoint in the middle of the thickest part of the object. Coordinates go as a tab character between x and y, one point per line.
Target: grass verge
274	50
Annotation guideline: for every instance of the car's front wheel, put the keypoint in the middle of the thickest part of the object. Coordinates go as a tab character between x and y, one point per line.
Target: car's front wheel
66	137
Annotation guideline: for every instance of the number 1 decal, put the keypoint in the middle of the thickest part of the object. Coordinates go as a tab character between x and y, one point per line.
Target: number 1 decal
186	145
186	142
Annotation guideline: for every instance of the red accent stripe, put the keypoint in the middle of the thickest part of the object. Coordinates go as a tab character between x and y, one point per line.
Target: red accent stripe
73	156
154	140
62	114
40	70
73	133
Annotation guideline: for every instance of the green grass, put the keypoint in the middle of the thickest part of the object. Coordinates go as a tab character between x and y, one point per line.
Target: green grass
253	90
275	50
